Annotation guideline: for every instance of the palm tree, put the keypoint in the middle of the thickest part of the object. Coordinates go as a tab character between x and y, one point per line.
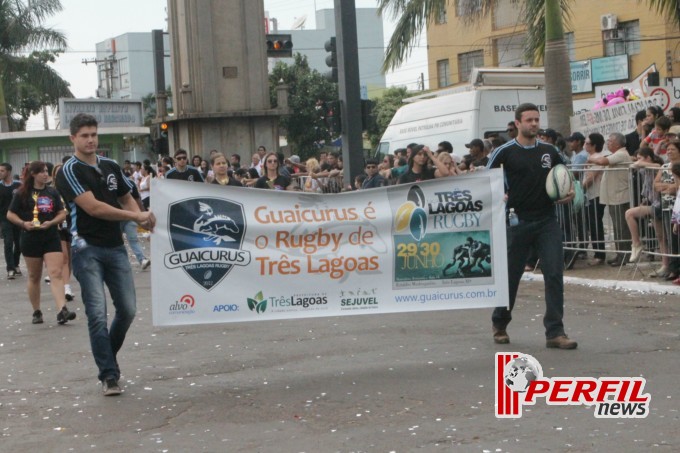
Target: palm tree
27	82
544	20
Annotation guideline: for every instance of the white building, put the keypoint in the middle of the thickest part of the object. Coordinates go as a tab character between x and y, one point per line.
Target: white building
125	66
370	42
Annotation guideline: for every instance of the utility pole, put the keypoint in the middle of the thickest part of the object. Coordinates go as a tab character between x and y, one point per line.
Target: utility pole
349	89
108	70
159	73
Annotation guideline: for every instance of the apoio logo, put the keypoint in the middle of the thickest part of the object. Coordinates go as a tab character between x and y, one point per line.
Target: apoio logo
206	235
183	306
225	308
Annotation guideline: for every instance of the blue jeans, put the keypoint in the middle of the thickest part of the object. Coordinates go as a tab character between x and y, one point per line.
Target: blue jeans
11	236
129	228
545	236
93	267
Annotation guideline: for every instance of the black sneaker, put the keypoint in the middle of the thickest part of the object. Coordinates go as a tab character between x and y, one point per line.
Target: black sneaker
110	387
37	317
65	315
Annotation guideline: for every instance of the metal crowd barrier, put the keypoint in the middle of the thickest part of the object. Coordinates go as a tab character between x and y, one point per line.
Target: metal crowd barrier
604	230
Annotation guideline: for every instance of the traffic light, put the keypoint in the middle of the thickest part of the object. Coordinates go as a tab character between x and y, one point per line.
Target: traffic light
333	118
160	145
279	46
332	59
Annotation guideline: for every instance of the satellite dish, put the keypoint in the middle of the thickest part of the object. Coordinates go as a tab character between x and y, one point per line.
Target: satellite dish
299	22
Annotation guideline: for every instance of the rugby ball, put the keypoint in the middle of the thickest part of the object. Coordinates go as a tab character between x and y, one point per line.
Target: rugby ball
559	182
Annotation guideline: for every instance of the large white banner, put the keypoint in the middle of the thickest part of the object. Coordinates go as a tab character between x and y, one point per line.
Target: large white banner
616	118
230	254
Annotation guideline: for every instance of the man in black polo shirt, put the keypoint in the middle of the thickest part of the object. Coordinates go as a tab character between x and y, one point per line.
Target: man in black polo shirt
373	178
10	232
526	163
182	170
99	198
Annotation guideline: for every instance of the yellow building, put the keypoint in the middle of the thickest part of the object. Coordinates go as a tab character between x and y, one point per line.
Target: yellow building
597	29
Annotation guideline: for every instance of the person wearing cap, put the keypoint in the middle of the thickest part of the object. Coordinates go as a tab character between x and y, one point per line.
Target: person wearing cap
511	130
476	158
576	142
291	166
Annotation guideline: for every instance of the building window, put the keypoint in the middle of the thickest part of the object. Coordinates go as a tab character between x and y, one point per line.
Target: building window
443	73
467	7
441	15
625	39
124	71
467	61
571	49
510	51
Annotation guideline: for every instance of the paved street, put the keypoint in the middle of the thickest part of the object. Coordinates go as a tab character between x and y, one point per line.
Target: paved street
401	382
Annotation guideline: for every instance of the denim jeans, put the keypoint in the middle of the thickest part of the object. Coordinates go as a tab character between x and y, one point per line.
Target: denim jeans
93	267
129	228
11	235
545	236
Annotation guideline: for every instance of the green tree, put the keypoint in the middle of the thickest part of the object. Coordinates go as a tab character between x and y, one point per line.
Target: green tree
383	111
306	128
27	82
149	105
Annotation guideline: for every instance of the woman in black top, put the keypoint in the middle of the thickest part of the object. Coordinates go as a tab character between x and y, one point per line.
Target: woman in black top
271	178
221	171
41	243
419	169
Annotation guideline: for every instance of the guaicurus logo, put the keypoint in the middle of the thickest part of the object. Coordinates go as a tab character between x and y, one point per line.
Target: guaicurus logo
206	235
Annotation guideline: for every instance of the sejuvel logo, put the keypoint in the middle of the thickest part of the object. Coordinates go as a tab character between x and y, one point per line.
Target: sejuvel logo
519	381
206	235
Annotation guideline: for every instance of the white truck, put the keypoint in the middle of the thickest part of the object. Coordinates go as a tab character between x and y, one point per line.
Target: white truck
461	114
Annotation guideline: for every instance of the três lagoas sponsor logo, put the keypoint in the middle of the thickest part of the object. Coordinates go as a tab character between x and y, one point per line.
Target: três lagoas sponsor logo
311	301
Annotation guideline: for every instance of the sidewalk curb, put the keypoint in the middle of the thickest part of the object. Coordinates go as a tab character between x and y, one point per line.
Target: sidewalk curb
643	287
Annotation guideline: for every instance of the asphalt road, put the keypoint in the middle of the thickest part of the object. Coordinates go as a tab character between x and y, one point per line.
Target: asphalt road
373	383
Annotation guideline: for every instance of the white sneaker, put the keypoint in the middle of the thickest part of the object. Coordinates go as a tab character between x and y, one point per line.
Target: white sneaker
635	253
146	263
47	279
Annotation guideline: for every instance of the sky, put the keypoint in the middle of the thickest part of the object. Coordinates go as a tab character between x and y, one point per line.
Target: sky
87	22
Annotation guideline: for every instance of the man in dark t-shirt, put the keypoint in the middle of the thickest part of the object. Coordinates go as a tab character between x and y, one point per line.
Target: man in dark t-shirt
10	232
99	197
182	170
526	163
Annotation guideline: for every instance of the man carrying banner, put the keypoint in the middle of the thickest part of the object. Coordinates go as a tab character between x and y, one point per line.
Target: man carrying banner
526	163
99	197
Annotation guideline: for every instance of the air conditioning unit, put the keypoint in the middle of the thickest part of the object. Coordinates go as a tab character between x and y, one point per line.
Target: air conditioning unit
608	22
612	35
